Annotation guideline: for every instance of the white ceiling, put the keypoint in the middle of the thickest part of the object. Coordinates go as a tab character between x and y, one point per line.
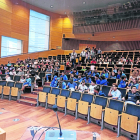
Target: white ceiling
69	6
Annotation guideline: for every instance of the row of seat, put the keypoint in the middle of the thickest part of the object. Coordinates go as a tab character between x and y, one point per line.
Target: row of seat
108	113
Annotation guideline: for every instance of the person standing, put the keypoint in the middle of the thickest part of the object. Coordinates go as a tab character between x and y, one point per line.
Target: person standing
83	55
73	57
99	51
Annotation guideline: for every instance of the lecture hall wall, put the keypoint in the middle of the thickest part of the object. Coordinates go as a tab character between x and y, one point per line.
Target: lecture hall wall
14	22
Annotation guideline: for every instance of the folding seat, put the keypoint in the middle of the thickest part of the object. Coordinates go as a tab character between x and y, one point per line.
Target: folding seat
62	100
123	91
111	81
103	65
112	115
15	92
127	66
2	76
41	98
130	122
105	90
84	106
127	71
111	65
17	78
3	83
6	91
72	103
52	97
97	110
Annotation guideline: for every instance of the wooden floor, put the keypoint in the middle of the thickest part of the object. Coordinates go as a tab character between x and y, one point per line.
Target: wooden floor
39	116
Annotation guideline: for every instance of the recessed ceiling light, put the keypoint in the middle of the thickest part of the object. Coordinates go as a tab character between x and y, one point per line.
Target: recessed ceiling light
51	6
84	2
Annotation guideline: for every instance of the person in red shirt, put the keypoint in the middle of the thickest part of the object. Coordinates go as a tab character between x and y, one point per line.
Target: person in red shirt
93	61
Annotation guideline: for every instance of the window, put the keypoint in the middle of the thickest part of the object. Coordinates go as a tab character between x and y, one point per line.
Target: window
39	30
10	46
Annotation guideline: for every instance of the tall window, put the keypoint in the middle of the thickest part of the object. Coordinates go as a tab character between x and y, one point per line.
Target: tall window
39	30
10	46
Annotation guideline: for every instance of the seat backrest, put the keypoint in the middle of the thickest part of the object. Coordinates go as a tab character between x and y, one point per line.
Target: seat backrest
87	98
133	110
11	77
17	78
111	81
10	84
123	91
55	91
3	71
18	85
75	95
116	105
100	100
3	83
65	92
105	90
3	76
46	89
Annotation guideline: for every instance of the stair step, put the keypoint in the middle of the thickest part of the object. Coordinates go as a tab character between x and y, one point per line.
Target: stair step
31	97
38	89
27	102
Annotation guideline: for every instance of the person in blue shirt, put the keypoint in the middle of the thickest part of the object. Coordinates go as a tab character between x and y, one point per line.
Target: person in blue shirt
119	74
54	82
61	84
9	63
27	83
104	73
113	76
64	76
49	73
115	69
74	78
74	71
88	72
103	81
87	79
72	85
79	79
122	83
134	82
97	79
95	72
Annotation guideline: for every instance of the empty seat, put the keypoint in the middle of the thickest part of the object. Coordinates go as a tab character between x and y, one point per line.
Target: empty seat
52	97
72	103
3	83
105	90
41	98
14	93
10	84
17	78
62	100
6	91
46	89
111	81
130	124
112	115
83	106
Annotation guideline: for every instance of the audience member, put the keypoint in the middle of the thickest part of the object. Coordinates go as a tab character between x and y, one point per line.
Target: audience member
54	82
64	76
91	87
72	85
73	57
82	87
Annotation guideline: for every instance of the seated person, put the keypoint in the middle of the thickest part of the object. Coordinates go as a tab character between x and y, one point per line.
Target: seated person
64	76
103	81
16	65
22	80
12	72
115	69
5	67
9	63
11	68
72	85
93	61
61	84
82	87
123	82
74	71
20	72
119	74
35	68
113	76
104	73
94	73
79	79
91	87
97	79
88	72
132	97
134	82
49	73
7	72
114	92
72	76
7	78
87	79
54	82
27	82
98	92
84	68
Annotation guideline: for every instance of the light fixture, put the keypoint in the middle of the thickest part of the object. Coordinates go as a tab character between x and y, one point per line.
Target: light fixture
51	6
113	36
65	12
84	2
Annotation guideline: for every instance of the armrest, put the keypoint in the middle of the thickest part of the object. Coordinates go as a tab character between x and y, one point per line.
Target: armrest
76	102
120	115
103	109
139	122
55	97
89	105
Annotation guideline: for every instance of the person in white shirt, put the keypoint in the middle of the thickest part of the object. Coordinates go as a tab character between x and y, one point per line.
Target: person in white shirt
91	87
82	87
8	78
12	72
83	55
73	57
114	92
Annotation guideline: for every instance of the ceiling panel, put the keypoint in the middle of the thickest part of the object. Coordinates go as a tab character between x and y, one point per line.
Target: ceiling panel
68	6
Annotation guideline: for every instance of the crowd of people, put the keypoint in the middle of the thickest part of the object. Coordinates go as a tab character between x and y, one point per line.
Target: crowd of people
78	81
